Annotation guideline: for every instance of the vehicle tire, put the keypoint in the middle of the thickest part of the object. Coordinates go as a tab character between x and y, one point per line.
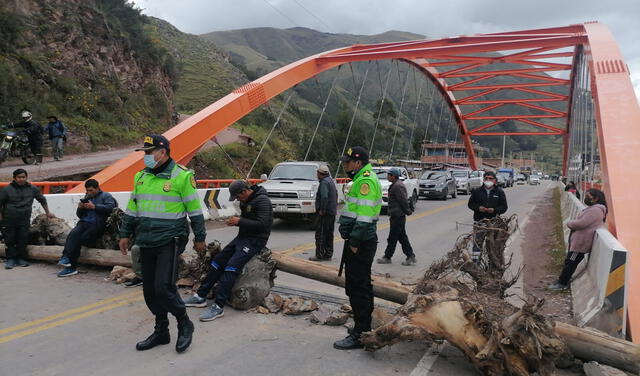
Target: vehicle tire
455	193
468	192
445	194
3	155
414	198
29	158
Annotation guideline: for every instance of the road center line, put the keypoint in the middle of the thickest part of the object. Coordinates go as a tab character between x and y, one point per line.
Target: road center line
308	246
69	312
53	324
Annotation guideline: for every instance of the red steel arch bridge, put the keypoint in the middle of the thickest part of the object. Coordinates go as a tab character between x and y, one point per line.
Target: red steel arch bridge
566	81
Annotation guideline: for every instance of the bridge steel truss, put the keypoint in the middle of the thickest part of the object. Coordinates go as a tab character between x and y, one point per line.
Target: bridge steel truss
473	73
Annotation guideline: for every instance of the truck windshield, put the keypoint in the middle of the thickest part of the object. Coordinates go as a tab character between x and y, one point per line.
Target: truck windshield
430	175
382	174
294	172
460	174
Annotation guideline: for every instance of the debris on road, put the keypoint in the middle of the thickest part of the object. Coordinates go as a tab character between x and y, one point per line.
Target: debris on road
297	305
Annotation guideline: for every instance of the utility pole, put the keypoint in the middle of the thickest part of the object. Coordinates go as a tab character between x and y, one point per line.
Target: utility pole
503	141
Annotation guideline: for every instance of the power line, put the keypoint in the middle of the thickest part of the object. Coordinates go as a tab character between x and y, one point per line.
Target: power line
313	15
282	14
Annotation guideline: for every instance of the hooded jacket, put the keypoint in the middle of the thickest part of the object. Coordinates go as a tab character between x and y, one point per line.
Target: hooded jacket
584	227
16	202
257	215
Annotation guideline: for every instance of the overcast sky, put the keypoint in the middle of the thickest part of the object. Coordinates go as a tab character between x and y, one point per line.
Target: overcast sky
434	19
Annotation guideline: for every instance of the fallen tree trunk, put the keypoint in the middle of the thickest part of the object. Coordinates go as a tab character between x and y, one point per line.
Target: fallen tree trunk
91	256
584	343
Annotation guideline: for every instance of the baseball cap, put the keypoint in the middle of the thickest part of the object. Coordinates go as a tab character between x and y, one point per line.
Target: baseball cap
236	187
323	169
154	141
394	171
356	153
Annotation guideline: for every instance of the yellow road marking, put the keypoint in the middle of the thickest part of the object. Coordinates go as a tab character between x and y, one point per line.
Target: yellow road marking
308	246
67	313
53	324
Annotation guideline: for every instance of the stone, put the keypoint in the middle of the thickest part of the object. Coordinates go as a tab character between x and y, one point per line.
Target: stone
596	369
297	305
273	302
326	315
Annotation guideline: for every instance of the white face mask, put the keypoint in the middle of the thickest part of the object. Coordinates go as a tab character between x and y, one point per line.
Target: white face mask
488	184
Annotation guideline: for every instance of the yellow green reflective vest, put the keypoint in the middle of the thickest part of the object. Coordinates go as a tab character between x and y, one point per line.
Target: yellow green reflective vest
159	205
362	205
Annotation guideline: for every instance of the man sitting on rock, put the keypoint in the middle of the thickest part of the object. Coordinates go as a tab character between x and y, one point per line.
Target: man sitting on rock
255	227
93	211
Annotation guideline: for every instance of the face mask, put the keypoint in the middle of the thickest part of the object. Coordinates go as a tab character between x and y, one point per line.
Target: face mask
149	161
351	174
488	184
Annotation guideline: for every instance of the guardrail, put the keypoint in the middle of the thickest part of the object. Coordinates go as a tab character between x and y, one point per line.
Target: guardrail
599	292
46	186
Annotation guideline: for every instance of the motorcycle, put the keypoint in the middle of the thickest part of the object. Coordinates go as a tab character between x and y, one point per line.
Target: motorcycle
15	143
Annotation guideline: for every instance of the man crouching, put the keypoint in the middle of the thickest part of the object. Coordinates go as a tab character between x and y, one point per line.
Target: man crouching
255	227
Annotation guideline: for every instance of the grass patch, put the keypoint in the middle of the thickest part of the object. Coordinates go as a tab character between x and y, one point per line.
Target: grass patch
557	252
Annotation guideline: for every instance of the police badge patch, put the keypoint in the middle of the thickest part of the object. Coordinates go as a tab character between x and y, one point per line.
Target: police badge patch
167	187
364	189
192	179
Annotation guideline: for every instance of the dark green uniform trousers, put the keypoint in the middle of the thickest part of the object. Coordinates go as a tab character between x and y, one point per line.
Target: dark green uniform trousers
358	283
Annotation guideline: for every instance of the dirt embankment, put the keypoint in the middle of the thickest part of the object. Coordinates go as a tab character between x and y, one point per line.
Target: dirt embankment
543	254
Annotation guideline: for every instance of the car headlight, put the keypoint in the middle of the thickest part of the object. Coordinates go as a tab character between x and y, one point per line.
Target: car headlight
305	194
9	137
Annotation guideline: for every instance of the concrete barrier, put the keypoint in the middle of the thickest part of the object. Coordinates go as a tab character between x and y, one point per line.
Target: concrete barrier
599	293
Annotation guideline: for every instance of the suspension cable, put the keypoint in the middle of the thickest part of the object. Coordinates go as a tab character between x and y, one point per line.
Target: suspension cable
353	118
384	96
233	163
430	98
415	115
324	108
404	90
284	106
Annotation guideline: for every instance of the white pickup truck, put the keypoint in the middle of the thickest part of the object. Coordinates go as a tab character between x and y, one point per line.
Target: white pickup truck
410	184
292	188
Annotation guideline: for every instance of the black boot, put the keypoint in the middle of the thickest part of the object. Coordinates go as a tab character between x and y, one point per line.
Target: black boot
160	336
352	341
185	333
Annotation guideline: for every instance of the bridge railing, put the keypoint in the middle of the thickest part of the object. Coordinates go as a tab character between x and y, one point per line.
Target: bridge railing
48	187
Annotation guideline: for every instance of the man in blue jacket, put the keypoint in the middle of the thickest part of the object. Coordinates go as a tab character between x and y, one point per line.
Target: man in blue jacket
93	211
57	134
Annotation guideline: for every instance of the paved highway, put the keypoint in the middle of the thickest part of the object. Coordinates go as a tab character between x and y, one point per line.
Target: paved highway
84	325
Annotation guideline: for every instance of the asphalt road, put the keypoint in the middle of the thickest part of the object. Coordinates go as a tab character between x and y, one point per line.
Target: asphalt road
84	325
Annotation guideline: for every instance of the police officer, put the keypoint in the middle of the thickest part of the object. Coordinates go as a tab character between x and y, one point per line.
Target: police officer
164	193
357	226
398	210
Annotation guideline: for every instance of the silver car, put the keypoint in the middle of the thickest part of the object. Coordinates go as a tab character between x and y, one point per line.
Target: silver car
463	184
439	184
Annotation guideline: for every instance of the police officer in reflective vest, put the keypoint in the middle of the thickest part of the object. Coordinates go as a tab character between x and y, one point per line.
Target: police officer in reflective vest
357	226
164	194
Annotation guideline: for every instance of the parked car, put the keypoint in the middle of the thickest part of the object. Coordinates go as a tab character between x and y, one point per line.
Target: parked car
521	177
534	180
410	184
475	181
462	178
505	179
438	184
292	187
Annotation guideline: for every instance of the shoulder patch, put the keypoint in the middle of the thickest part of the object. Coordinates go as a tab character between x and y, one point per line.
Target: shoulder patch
192	180
367	173
364	189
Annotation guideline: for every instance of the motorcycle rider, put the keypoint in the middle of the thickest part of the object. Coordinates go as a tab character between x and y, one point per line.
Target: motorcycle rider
34	132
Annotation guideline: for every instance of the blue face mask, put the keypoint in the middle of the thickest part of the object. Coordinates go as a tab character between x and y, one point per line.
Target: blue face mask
149	161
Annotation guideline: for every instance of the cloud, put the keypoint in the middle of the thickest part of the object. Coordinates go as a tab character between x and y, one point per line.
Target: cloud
441	19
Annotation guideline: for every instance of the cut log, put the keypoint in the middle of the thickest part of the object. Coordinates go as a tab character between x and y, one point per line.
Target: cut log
91	256
585	343
383	288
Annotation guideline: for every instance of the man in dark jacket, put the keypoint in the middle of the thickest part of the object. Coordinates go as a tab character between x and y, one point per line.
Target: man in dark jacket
93	211
16	201
398	210
255	227
34	131
326	208
487	201
57	135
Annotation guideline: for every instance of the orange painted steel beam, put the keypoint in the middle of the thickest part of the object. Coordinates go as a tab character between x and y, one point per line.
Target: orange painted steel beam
617	118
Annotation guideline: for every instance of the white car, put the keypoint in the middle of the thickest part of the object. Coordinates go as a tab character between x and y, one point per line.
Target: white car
463	183
534	180
411	185
292	188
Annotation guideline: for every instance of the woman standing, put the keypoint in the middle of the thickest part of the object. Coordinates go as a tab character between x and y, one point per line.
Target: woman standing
583	228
